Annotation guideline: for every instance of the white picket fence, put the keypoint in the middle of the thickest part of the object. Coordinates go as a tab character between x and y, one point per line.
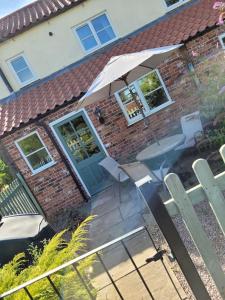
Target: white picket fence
182	202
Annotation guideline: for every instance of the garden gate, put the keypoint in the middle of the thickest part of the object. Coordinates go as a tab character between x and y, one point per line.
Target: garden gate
212	189
18	199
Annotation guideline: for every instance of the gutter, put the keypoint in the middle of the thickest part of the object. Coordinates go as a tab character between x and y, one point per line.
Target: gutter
6	82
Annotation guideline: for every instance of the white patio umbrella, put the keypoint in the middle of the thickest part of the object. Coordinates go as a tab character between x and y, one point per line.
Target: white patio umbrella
121	70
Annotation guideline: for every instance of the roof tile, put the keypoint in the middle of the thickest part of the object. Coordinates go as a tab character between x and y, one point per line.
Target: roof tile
174	29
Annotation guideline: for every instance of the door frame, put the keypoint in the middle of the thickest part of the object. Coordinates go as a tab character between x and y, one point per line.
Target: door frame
90	123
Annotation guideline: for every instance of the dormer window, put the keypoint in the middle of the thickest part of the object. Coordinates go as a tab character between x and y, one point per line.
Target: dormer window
174	3
95	33
21	69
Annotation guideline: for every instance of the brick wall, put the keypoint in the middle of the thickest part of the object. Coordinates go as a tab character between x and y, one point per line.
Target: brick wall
54	188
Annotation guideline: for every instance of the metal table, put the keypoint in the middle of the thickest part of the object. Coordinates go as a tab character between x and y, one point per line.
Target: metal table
163	146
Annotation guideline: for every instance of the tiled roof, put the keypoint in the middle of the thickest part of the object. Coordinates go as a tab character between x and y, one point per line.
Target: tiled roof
31	15
172	29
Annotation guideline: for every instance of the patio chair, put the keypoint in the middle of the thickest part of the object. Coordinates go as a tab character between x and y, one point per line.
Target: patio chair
136	171
191	125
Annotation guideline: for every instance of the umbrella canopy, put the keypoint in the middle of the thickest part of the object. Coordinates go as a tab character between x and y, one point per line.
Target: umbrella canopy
134	65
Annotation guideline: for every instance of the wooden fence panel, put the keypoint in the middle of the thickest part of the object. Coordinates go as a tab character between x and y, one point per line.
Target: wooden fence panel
18	199
211	189
197	233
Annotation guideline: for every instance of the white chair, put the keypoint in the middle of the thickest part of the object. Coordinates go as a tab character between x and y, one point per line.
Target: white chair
191	125
138	173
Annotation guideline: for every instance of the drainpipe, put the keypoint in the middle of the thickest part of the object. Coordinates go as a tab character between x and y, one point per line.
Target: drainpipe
5	80
62	156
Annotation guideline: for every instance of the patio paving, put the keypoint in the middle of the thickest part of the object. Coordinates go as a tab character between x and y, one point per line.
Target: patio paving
118	210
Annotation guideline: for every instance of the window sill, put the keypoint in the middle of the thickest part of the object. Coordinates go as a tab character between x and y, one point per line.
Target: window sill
44	168
152	112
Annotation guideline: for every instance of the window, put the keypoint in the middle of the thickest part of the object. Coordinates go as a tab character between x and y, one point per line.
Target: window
34	152
95	33
174	3
222	40
21	69
151	93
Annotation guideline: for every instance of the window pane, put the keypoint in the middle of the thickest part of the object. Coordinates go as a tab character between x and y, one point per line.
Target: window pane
86	37
149	83
22	70
172	2
30	144
106	35
84	32
100	22
89	43
85	136
39	159
103	29
129	103
25	75
156	98
19	64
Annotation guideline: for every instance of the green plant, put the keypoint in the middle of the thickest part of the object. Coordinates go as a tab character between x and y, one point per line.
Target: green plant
55	252
212	92
5	176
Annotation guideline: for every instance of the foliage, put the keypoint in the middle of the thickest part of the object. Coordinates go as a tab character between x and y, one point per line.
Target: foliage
212	90
5	176
55	252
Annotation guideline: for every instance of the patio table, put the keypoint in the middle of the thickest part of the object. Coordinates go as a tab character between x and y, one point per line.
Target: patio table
163	146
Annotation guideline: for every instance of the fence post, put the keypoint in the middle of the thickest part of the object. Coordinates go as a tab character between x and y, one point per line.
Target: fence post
30	194
214	194
197	233
149	192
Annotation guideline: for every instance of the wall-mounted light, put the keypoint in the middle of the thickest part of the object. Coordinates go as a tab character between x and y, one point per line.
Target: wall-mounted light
98	114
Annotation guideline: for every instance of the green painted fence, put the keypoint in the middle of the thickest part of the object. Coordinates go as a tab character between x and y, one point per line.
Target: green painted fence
210	188
17	199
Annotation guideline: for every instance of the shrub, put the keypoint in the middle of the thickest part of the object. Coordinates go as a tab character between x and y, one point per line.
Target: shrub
55	252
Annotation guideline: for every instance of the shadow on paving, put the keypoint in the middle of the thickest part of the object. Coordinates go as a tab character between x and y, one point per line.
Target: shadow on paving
119	210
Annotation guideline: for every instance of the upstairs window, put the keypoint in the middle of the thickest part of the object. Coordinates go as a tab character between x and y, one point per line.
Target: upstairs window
21	69
34	152
95	33
174	3
150	92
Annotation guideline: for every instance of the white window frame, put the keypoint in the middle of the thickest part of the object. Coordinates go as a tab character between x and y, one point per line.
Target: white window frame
88	22
171	7
221	36
143	101
46	166
14	72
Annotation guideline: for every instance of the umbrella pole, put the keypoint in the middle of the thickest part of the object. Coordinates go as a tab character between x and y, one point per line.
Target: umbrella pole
136	101
146	123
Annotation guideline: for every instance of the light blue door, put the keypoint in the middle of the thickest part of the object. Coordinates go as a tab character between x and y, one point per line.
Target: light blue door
84	149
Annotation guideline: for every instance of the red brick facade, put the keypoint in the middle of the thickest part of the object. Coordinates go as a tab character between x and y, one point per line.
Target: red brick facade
54	187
